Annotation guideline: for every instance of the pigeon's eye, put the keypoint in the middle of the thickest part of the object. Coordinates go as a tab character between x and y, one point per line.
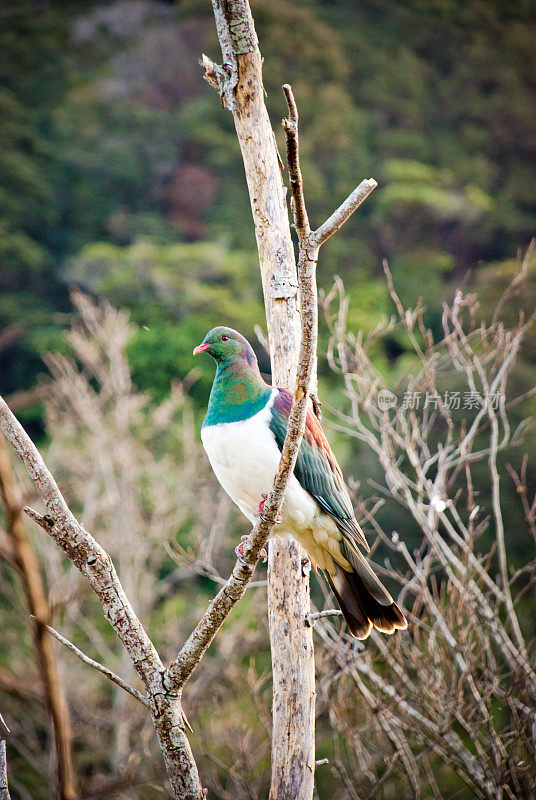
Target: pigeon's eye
225	338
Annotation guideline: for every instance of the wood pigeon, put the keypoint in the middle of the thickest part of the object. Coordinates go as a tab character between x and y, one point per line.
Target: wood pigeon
243	434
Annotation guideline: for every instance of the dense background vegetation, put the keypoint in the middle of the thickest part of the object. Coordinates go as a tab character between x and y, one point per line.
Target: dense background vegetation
114	153
121	175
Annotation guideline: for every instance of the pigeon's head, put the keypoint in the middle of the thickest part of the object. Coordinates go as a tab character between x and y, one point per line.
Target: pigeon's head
226	345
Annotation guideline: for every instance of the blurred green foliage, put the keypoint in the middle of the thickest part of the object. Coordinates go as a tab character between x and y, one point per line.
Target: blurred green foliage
173	291
112	143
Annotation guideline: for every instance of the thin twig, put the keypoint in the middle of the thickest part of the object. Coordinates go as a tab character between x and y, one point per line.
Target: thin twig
344	211
100	667
311	618
499	533
290	126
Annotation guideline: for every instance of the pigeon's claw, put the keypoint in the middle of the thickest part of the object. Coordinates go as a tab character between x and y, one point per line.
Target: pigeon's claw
260	509
239	550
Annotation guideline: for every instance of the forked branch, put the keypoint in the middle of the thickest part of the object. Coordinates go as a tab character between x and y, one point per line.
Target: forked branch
306	237
309	242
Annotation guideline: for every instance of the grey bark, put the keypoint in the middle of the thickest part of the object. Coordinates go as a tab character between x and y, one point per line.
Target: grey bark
4	789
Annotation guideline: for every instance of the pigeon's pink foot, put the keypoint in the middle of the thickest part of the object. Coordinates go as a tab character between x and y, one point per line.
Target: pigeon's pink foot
260	509
239	550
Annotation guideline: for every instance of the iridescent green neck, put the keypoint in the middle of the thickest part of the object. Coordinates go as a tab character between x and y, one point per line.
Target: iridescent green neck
237	393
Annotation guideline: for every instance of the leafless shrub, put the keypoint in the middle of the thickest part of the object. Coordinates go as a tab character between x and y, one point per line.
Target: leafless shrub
456	693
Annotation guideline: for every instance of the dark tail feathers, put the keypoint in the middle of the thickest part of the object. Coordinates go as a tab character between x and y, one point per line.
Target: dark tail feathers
364	600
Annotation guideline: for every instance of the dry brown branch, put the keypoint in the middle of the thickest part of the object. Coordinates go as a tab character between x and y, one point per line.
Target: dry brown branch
344	211
290	126
28	567
309	242
329	612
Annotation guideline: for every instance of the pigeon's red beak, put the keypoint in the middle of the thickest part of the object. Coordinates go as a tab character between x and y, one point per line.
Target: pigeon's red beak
200	348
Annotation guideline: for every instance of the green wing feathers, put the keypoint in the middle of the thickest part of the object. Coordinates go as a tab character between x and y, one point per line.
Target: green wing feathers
317	469
363	599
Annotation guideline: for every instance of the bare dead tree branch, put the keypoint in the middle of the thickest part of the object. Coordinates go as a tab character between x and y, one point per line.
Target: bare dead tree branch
315	615
345	211
240	86
290	126
309	242
96	565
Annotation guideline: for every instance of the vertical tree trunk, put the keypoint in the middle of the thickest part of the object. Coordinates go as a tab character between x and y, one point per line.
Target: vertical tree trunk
240	85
